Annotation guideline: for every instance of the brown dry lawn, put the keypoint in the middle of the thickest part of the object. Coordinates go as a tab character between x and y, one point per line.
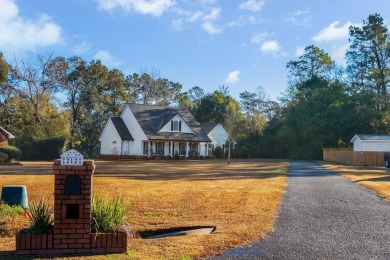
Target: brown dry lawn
240	199
376	179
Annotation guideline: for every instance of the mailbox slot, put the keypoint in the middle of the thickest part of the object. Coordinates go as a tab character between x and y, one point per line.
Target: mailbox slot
72	211
72	185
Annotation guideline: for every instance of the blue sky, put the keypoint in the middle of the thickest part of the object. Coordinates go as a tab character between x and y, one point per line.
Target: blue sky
241	44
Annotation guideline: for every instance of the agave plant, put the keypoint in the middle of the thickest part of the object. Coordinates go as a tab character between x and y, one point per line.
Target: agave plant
40	216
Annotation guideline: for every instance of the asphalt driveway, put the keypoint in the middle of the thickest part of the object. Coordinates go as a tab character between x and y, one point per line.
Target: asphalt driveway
324	216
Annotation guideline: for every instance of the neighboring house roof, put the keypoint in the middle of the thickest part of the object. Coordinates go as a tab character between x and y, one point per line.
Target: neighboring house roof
121	128
153	118
371	137
7	134
209	127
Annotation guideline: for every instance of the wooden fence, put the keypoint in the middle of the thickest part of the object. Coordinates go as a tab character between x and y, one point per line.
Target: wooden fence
349	157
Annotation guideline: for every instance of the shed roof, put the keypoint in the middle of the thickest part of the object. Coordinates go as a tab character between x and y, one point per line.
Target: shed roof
371	137
153	118
122	129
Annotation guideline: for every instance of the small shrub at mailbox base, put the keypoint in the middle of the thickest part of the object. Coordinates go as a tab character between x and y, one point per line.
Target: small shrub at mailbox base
40	216
107	214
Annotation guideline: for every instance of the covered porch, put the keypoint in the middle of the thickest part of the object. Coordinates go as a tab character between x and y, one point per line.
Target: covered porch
170	148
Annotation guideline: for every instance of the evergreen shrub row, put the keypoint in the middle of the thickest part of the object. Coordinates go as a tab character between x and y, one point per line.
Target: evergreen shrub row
46	149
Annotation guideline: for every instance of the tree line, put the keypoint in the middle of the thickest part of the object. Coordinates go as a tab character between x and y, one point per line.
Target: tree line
68	100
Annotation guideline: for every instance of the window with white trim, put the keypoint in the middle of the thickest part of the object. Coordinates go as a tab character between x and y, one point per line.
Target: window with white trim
160	148
146	147
193	149
175	125
182	149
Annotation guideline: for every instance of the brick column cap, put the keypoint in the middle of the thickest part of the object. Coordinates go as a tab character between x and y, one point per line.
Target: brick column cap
85	163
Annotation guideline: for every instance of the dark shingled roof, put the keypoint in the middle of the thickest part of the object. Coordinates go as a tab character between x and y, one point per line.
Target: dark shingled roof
207	128
374	137
153	118
121	128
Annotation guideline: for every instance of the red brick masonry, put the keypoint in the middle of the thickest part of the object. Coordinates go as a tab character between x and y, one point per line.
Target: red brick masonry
72	235
42	244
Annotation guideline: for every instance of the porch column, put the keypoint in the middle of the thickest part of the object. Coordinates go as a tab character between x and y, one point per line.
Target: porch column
172	149
149	148
207	149
187	149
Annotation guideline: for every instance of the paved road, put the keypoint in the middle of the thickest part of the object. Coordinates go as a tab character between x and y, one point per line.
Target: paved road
324	216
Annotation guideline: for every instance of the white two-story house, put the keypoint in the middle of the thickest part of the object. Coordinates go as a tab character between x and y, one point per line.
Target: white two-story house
145	130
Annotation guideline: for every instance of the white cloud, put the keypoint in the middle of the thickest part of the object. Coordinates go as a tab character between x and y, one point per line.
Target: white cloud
299	17
252	5
208	25
255	20
8	10
267	46
213	15
194	17
107	58
299	51
236	23
206	17
17	32
233	77
260	37
335	38
202	13
82	47
270	47
177	25
207	2
191	17
210	28
333	33
338	53
151	7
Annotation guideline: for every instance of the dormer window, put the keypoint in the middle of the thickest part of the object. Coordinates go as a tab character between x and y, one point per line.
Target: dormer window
175	126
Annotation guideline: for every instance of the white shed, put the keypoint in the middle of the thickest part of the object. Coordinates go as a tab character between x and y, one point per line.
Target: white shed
371	143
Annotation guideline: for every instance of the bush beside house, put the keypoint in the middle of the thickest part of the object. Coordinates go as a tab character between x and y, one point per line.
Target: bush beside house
11	151
3	157
218	152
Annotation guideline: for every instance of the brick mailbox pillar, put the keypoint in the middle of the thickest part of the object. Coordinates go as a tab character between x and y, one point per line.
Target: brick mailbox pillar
72	207
72	216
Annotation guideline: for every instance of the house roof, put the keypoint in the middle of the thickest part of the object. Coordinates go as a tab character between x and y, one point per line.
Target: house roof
7	134
153	118
371	137
122	129
209	127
